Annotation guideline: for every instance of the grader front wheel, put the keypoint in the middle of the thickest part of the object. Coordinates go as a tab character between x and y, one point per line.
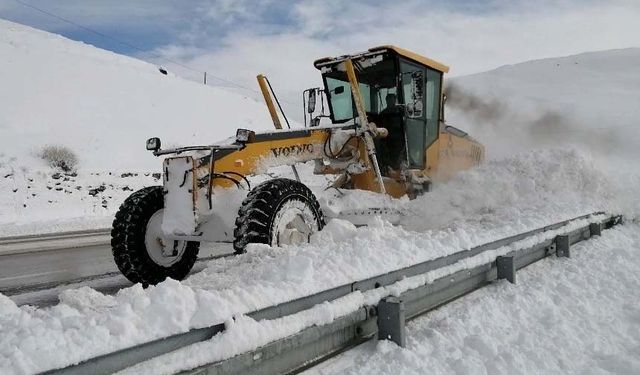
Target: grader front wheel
139	248
277	212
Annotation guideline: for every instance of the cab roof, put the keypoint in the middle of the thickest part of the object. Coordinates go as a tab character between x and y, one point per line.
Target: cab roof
400	51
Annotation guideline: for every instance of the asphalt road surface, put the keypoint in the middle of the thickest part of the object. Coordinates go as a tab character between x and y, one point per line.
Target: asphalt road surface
34	269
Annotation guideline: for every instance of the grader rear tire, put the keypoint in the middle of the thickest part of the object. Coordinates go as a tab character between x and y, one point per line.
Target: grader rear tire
137	242
277	212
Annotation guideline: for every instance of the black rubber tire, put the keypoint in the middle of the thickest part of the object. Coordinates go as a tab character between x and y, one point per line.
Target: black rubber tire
128	246
259	208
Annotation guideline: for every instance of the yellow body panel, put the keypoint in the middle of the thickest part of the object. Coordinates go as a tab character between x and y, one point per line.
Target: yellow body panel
258	156
415	57
400	51
450	154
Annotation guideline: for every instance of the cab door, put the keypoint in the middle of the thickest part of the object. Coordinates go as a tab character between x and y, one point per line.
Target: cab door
421	101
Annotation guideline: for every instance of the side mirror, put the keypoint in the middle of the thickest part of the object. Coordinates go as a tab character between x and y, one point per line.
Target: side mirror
311	101
153	144
315	121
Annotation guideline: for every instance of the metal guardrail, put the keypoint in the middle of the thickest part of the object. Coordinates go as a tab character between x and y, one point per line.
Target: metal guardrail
309	345
53	236
54	241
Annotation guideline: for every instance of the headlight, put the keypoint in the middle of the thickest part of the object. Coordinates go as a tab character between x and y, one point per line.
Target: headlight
243	135
153	144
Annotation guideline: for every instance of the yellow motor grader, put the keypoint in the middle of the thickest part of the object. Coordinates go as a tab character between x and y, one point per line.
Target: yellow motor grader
386	134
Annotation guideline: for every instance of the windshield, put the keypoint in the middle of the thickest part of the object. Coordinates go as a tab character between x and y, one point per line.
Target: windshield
377	80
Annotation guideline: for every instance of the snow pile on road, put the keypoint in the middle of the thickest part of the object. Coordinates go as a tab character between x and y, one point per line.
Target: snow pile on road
548	184
256	334
87	323
264	276
564	316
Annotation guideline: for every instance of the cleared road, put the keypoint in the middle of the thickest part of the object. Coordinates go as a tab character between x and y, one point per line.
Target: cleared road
34	269
26	262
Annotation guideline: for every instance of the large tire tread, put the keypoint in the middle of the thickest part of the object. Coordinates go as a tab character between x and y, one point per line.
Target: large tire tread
253	224
128	240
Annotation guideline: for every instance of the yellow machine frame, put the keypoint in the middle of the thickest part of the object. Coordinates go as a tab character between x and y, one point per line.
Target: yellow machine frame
452	151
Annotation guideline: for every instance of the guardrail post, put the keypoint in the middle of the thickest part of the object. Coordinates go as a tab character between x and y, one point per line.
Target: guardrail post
506	268
391	321
562	246
595	229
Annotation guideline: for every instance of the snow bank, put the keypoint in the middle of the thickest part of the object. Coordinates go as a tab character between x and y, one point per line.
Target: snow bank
586	102
41	201
549	184
264	276
256	334
569	316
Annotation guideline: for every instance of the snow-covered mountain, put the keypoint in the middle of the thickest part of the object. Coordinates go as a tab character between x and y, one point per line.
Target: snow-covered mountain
588	100
102	105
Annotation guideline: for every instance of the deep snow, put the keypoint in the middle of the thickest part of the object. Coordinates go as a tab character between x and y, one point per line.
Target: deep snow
264	276
87	323
564	316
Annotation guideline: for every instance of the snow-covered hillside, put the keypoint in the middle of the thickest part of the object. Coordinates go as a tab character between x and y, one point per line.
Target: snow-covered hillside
588	101
103	107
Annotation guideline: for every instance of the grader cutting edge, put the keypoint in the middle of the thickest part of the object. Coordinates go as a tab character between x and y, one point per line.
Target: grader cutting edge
387	135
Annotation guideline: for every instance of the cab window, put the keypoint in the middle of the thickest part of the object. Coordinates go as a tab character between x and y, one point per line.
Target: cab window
376	80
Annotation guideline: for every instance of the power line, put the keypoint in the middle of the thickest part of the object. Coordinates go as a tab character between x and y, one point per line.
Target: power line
103	35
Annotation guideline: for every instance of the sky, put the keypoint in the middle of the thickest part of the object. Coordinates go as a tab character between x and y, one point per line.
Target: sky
233	40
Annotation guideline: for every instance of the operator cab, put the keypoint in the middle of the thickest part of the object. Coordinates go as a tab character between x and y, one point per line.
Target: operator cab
401	92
